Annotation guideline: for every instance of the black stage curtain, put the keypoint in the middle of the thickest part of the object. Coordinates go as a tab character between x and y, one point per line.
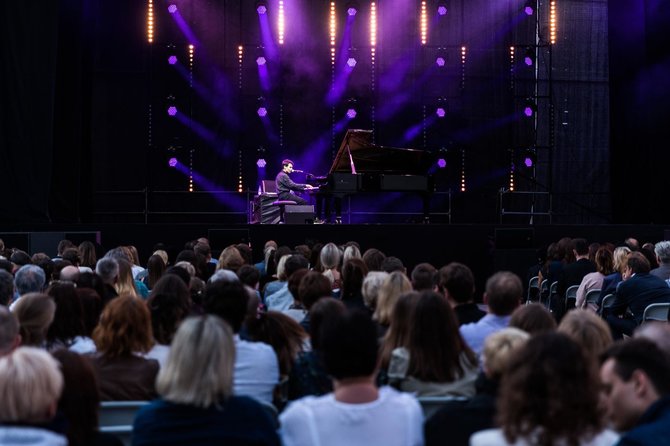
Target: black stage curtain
43	80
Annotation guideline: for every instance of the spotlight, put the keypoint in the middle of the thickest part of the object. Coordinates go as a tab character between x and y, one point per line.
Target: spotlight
172	60
351	62
442	9
261	8
440	61
172	110
529	157
352	11
172	8
529	57
441	163
260	60
529	108
440	112
529	7
261	163
262	111
172	162
351	113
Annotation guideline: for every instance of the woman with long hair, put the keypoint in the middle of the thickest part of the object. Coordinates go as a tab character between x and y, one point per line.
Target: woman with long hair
155	269
549	396
396	284
594	280
196	404
436	361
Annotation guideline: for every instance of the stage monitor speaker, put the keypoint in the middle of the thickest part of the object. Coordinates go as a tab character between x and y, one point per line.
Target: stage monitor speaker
298	214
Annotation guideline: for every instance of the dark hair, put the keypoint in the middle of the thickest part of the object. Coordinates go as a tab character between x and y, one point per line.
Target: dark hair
349	345
353	273
179	272
20	258
286	162
323	312
373	259
282	333
155	267
640	354
6	287
423	276
504	291
228	300
313	287
397	334
91	308
245	252
68	320
435	345
604	261
249	275
88	255
551	385
391	264
638	263
169	303
581	246
533	318
294	284
72	255
294	263
457	279
80	399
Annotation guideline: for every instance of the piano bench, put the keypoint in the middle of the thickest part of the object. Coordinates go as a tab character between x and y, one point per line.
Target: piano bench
282	206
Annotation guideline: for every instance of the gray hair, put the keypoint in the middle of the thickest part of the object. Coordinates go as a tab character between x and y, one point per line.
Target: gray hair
199	368
30	384
108	269
29	279
371	285
6	287
662	250
330	256
119	253
224	275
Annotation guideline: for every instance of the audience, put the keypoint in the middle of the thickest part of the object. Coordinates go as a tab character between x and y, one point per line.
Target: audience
533	318
662	252
594	280
548	396
35	312
357	412
588	330
390	291
197	404
10	338
457	283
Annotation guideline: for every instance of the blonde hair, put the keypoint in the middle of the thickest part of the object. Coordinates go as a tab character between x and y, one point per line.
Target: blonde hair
621	257
125	284
30	385
199	369
588	329
281	267
330	256
162	254
393	286
351	252
498	349
188	266
371	285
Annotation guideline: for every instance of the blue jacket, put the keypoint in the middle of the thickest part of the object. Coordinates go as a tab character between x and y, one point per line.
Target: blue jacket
653	427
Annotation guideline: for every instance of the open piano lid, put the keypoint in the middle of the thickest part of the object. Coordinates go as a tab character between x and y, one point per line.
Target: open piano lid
369	157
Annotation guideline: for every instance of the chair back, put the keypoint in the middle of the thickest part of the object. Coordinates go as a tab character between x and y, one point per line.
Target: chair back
592	297
269	187
571	292
607	302
116	418
533	289
431	404
656	312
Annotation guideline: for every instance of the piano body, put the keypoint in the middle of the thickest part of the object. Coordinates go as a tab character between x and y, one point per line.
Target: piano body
361	166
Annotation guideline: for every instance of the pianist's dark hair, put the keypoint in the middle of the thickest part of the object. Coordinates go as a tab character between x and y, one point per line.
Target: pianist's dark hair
286	162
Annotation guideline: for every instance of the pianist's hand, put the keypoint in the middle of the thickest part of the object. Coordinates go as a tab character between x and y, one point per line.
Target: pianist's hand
309	186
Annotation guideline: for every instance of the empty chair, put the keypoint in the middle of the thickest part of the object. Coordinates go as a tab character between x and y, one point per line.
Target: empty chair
656	312
116	417
533	289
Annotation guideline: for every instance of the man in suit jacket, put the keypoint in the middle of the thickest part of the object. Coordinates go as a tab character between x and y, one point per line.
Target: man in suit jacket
638	290
662	251
572	274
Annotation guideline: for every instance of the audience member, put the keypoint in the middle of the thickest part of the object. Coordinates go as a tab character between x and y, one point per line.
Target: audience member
313	286
282	299
594	280
662	252
67	328
436	360
503	295
35	312
10	338
391	264
197	404
573	273
456	421
353	274
155	269
533	318
122	336
548	396
398	331
29	279
329	258
457	283
230	258
89	257
256	365
391	289
587	329
30	385
636	391
611	281
373	259
371	285
357	412
6	288
423	277
656	331
107	269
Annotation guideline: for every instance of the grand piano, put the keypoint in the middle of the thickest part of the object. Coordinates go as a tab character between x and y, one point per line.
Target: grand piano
361	166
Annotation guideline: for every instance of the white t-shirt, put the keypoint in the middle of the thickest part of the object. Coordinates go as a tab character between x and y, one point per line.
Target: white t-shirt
395	418
495	437
256	370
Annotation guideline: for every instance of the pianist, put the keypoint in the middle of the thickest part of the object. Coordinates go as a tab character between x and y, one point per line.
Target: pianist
285	185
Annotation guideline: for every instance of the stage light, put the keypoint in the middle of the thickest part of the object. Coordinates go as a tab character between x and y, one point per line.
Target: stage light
529	7
352	11
172	8
528	161
262	112
260	60
172	60
440	61
441	163
529	157
529	108
172	162
261	8
351	113
172	110
529	57
440	112
150	21
442	10
261	163
281	23
351	62
424	23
